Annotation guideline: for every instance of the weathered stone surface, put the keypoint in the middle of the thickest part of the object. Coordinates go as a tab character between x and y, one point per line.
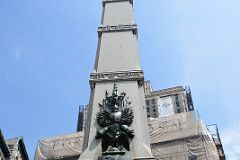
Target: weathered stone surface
117	61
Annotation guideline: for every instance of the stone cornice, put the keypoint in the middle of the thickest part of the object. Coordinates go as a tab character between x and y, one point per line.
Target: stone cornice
135	75
166	92
109	1
116	28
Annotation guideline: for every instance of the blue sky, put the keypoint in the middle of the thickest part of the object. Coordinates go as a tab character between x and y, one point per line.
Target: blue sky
47	51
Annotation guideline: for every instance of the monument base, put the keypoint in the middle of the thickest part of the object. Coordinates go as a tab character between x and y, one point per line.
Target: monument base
114	154
115	157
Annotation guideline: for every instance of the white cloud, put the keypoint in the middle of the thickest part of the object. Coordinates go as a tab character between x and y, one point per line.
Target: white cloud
231	142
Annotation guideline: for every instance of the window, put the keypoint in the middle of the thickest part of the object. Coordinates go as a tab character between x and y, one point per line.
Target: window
147	102
178	110
154	110
177	104
153	101
148	110
176	97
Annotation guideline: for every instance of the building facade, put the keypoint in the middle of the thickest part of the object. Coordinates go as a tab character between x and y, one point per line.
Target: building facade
4	150
176	132
168	101
12	149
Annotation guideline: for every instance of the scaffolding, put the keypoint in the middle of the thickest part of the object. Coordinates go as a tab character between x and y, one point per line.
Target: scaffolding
181	137
80	118
189	98
65	147
213	130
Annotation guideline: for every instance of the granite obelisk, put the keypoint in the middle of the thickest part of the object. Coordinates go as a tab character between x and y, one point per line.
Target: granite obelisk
117	64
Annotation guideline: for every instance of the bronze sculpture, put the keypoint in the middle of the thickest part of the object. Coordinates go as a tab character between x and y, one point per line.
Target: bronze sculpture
114	118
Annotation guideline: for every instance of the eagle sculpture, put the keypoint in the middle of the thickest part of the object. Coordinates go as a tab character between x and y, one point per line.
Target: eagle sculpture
114	118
